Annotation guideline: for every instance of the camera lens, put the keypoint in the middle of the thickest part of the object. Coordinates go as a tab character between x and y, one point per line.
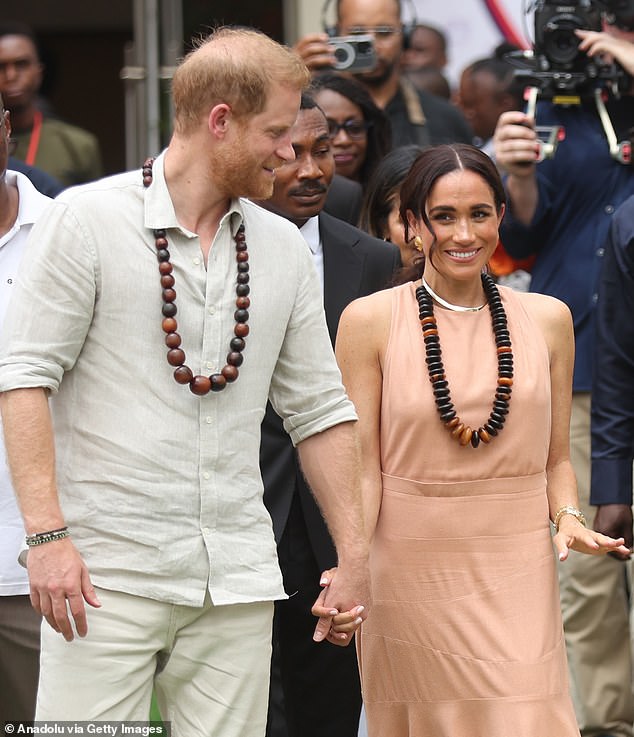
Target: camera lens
560	43
344	55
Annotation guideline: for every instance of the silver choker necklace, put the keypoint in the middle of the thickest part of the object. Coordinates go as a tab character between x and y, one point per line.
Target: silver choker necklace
448	305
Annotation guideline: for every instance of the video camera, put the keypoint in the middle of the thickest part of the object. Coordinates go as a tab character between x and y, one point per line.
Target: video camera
556	66
557	70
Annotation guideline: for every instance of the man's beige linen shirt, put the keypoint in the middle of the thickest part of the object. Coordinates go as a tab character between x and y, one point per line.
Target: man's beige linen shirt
161	489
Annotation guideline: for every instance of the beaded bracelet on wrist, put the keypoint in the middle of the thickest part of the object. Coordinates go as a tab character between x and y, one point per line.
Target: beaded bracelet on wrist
39	538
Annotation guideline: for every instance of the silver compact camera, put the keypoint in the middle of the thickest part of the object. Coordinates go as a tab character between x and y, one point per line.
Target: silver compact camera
353	53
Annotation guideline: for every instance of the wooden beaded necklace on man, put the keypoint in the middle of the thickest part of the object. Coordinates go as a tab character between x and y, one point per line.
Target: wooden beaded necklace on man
436	370
201	385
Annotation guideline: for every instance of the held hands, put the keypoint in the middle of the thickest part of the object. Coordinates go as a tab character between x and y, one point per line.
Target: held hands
516	145
59	581
337	624
572	535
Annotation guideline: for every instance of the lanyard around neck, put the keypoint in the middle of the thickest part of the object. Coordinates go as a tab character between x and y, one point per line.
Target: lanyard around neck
34	141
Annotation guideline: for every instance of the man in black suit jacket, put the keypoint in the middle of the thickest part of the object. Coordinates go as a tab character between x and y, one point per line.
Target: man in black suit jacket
320	681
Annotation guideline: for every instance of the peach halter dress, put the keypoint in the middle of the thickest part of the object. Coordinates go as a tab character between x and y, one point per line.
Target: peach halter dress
464	638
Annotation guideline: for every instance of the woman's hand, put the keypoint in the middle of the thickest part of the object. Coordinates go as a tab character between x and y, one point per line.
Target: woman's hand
341	626
572	535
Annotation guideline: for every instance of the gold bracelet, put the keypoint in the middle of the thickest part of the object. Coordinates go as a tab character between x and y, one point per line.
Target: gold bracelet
568	509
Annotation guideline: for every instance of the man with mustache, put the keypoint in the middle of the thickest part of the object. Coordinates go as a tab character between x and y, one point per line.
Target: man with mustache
320	683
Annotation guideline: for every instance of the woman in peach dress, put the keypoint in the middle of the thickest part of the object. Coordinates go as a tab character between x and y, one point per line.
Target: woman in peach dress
463	393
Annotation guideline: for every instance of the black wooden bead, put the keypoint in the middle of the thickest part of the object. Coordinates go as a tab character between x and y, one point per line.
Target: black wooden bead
237	344
242	290
241	315
169	309
494	424
475	439
490	429
448	416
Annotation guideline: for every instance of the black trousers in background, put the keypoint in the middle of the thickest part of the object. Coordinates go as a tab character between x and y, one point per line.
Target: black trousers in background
318	682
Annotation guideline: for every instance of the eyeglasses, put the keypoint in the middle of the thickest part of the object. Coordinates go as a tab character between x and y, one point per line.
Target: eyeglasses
354	129
380	33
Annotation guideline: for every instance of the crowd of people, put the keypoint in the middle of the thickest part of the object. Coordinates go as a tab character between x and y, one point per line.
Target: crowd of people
320	421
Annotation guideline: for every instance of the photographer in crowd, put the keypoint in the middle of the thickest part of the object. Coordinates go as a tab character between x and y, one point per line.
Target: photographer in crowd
560	211
416	116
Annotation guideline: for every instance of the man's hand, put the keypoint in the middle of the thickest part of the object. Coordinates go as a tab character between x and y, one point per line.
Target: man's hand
59	581
516	144
615	520
315	52
338	618
608	47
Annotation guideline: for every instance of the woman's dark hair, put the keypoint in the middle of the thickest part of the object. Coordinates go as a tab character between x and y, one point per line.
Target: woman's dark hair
379	131
432	164
383	186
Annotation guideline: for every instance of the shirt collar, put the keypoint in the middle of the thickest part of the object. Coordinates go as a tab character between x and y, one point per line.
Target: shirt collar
31	202
310	232
159	208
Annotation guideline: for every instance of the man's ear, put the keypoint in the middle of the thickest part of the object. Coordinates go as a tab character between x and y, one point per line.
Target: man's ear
219	118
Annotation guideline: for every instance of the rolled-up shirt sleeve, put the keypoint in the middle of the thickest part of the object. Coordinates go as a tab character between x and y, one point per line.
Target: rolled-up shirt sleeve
613	382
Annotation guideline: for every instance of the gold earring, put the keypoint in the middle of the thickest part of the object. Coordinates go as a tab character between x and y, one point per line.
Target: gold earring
418	243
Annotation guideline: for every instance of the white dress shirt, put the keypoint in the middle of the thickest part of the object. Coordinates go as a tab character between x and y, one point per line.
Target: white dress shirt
13	578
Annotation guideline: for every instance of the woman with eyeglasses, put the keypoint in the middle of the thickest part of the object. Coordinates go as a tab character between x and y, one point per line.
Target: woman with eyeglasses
359	130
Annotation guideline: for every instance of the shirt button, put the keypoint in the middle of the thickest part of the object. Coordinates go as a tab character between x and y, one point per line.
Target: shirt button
209	365
208	420
609	209
212	310
595	297
600	252
206	475
197	261
206	530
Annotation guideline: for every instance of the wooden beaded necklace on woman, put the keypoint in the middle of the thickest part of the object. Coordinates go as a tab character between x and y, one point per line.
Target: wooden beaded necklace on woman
201	385
436	370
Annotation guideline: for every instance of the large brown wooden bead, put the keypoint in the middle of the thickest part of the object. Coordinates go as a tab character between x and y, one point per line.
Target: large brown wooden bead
453	422
200	385
243	303
176	357
169	295
484	435
241	330
183	375
235	358
165	267
237	344
173	340
230	373
169	325
167	281
242	256
218	382
505	381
